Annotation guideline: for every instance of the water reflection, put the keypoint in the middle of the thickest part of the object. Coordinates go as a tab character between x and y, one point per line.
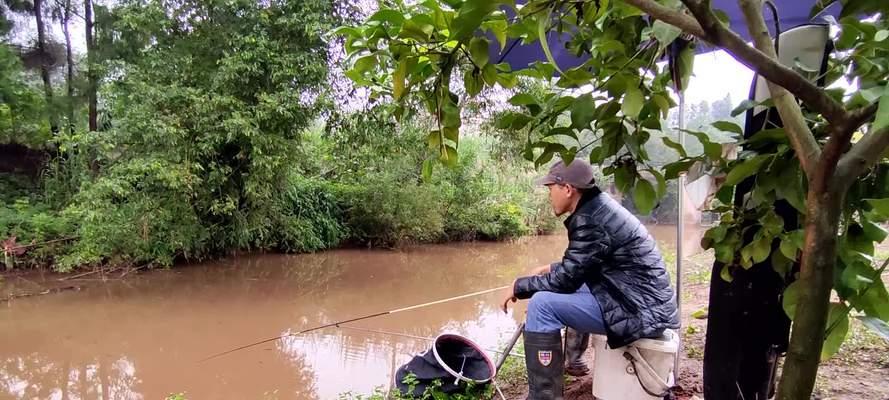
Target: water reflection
142	338
35	377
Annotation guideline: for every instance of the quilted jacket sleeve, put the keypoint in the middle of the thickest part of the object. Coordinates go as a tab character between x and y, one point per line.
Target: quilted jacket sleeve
588	244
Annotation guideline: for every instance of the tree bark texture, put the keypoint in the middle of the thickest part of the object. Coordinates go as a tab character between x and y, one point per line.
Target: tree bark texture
90	60
44	65
823	212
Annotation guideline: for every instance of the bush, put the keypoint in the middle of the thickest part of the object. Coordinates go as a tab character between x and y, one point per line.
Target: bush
139	212
388	212
25	220
310	216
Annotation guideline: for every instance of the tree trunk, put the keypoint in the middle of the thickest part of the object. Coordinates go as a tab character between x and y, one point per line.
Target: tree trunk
44	65
823	212
90	59
70	64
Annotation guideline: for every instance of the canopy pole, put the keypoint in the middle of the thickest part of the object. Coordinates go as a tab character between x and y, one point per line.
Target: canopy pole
680	192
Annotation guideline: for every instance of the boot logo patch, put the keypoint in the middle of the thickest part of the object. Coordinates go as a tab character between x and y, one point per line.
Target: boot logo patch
545	357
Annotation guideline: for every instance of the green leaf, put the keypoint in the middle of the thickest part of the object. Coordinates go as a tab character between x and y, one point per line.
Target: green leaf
788	248
743	107
663	104
398	79
450	115
881	35
433	139
712	150
781	264
452	134
522	99
583	111
768	136
351	31
498	28
790	299
632	104
791	187
364	64
838	327
478	49
489	73
644	196
700	313
675	146
856	276
728	127
542	21
469	17
880	207
507	80
449	156
387	15
544	158
419	28
686	65
665	33
726	273
472	82
882	119
874	232
674	169
761	249
745	169
661	182
624	178
725	194
562	130
568	155
878	326
427	170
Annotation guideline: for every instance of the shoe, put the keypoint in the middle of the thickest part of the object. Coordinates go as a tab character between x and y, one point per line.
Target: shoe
576	344
546	365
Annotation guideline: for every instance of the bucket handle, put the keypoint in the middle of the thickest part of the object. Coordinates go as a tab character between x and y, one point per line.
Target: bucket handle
632	355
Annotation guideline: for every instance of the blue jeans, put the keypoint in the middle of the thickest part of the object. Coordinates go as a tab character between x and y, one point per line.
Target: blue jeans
550	312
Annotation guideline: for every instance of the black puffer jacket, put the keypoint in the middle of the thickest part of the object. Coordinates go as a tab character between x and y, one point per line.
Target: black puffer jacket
613	253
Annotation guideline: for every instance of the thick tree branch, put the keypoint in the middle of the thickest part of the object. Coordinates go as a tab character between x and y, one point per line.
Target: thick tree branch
863	155
801	137
670	16
713	31
841	134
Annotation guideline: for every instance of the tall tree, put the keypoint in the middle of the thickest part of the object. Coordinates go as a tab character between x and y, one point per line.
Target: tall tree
45	63
64	13
92	79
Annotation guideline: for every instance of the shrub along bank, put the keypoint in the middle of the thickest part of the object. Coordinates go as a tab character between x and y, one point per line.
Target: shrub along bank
335	191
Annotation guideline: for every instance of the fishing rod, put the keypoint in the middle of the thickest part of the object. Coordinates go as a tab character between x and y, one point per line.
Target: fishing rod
334	324
424	338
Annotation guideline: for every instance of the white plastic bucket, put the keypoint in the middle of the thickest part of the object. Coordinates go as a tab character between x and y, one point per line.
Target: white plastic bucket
617	378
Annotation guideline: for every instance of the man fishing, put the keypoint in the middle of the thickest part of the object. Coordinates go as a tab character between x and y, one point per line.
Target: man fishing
611	280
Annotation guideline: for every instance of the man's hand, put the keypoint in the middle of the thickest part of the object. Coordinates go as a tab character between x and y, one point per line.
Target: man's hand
510	297
541	270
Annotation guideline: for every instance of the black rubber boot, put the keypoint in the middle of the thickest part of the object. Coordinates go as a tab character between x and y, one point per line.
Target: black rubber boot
576	344
545	364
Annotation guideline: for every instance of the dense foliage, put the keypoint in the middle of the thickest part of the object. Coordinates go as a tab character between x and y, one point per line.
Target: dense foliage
218	131
433	55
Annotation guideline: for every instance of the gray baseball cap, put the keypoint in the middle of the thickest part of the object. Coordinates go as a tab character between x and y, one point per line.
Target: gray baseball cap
578	174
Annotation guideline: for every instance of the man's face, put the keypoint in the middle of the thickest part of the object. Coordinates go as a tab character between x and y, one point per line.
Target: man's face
560	198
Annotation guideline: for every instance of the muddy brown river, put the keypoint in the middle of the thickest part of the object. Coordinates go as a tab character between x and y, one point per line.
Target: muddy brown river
143	337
